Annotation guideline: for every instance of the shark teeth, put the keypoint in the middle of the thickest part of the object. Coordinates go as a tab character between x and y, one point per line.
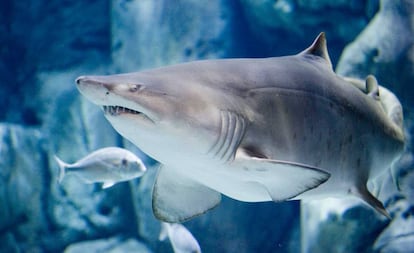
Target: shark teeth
117	110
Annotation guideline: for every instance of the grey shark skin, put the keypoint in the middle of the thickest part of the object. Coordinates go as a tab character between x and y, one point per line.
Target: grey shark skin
271	129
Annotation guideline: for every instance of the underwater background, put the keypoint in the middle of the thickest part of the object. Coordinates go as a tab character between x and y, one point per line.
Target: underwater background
45	45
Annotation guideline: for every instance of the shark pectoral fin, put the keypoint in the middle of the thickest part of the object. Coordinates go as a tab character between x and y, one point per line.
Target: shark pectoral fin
176	198
282	179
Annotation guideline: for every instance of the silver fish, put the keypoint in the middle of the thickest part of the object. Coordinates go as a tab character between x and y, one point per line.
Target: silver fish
107	165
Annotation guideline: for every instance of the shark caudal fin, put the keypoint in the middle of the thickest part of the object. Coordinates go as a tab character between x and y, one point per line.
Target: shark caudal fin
62	168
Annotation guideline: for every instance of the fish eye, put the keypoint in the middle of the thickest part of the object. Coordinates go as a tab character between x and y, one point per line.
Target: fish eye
124	162
134	87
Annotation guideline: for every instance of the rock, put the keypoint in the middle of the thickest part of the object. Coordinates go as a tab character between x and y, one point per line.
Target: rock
110	245
385	49
43	36
399	236
271	23
24	195
339	225
154	33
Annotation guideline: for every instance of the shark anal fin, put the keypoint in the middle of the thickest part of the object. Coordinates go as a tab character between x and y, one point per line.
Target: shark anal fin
176	198
366	196
283	180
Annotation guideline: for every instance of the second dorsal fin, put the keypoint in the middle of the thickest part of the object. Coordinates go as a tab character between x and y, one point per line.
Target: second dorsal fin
371	87
319	48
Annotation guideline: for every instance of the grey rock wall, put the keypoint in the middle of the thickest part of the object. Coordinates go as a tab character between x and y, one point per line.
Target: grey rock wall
283	26
385	49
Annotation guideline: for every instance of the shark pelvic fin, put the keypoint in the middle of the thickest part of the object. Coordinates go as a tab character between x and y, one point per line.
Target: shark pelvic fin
176	198
319	48
283	180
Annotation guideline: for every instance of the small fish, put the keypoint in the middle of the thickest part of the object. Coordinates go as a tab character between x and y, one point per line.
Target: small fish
107	165
181	239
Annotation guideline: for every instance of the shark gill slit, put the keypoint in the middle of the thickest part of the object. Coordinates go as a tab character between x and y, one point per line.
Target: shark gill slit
237	135
223	136
231	128
215	149
231	132
236	126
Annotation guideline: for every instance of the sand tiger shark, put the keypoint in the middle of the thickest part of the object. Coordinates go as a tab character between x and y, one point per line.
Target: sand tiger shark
268	129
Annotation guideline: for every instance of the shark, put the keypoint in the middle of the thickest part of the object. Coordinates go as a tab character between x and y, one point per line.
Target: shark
253	129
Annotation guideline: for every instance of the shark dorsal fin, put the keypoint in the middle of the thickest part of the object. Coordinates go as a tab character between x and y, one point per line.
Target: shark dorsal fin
319	48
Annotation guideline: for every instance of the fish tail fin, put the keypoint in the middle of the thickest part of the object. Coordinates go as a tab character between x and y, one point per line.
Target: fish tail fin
365	195
62	168
164	231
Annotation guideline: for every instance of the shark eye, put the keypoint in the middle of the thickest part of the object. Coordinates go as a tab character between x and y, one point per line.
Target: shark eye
124	162
134	87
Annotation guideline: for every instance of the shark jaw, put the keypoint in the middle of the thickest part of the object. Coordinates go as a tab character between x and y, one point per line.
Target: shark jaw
111	111
115	110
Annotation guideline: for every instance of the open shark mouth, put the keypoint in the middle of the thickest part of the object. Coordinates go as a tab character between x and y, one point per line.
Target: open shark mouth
117	110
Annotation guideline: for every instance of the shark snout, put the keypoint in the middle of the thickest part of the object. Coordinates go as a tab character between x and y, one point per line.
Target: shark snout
87	81
79	80
93	88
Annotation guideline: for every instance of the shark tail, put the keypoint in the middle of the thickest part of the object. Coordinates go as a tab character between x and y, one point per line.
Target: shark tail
62	168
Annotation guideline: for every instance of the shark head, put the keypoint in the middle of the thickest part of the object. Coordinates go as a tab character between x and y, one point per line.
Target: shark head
155	112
